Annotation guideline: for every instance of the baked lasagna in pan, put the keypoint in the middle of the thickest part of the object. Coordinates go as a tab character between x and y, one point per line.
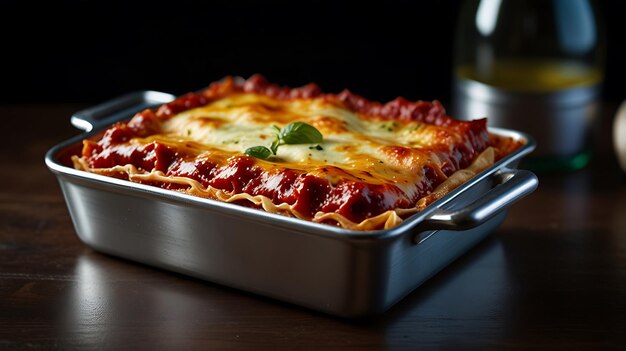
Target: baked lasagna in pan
337	159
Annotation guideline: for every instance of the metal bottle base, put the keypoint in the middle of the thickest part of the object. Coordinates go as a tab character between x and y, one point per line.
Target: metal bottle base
560	121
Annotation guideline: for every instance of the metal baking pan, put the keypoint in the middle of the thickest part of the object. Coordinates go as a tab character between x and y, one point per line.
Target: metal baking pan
341	272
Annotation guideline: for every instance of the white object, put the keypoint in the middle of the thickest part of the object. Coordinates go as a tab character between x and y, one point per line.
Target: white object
619	135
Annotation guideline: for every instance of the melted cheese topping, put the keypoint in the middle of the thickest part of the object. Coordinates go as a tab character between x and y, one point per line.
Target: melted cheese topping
360	147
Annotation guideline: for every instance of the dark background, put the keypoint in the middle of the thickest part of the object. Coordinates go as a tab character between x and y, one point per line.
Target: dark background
82	51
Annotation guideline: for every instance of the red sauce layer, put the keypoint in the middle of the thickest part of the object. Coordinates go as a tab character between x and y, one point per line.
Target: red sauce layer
309	194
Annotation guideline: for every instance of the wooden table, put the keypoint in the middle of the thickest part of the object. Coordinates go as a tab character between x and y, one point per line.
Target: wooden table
552	277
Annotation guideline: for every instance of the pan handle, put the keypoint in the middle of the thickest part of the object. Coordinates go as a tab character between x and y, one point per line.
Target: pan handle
512	185
117	109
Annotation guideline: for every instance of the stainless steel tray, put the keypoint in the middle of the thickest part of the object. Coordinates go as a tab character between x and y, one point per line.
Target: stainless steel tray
330	269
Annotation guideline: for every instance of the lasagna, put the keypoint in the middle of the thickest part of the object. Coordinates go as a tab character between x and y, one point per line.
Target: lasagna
337	159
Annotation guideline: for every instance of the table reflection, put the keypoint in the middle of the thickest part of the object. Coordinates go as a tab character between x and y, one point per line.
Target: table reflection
467	298
108	306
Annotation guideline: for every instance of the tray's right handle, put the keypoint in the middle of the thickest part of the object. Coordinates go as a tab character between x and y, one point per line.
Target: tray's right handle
512	185
117	109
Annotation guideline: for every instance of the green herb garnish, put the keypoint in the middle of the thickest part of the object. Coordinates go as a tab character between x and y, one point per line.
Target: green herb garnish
390	126
317	147
299	133
292	133
259	152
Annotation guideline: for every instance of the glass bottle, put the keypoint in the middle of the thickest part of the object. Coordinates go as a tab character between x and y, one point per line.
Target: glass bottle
535	66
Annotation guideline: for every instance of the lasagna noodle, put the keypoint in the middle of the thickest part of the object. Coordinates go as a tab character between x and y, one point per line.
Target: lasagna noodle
385	220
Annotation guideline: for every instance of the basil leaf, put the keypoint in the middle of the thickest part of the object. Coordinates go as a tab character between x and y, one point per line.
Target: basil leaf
259	152
300	133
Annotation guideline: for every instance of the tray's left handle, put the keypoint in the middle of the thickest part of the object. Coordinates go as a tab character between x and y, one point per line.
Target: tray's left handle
512	185
117	109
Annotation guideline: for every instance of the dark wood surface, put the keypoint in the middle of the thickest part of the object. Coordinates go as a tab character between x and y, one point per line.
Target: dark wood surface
552	277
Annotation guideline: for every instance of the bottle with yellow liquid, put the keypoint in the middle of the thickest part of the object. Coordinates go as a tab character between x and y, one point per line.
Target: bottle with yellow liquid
535	66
